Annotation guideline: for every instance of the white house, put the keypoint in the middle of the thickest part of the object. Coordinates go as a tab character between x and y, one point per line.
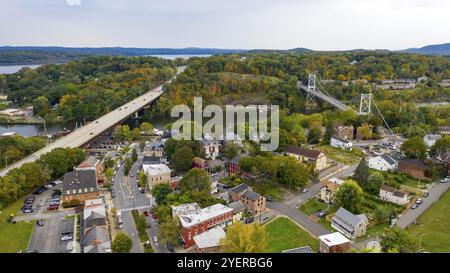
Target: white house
341	143
211	148
383	163
327	192
430	139
393	195
349	224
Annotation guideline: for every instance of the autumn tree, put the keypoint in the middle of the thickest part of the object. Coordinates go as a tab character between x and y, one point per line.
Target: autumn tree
182	159
121	243
242	238
146	127
441	145
169	232
365	131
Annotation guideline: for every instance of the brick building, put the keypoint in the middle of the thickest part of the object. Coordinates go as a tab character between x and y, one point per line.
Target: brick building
194	220
253	201
80	184
413	167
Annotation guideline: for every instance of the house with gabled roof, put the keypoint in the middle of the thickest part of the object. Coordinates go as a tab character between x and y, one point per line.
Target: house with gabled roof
253	201
349	224
316	157
393	195
383	163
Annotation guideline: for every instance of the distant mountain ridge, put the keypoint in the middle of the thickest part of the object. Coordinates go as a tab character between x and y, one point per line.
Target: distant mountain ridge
439	49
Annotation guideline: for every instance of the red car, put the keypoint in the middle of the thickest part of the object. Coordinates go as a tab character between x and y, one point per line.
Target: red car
53	208
154	216
146	213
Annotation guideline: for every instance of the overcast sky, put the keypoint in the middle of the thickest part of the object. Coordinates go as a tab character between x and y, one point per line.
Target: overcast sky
244	24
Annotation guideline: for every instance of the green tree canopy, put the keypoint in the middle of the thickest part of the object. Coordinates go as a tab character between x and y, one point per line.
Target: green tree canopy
121	243
349	196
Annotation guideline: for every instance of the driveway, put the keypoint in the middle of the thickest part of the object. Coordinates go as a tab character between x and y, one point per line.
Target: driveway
411	215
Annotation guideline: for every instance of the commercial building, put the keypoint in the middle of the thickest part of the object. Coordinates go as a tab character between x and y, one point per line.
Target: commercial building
209	241
79	185
333	243
194	220
156	174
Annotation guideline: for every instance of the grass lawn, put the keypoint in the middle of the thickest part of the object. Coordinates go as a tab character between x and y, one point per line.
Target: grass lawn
312	206
435	226
269	189
342	156
397	179
284	234
14	237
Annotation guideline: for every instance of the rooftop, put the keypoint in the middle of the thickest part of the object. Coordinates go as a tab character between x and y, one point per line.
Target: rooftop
341	139
302	249
236	206
334	239
155	169
303	152
347	218
210	238
194	217
239	188
389	159
79	181
394	191
249	194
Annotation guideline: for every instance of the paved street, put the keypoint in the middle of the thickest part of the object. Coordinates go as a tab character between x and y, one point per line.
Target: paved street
411	215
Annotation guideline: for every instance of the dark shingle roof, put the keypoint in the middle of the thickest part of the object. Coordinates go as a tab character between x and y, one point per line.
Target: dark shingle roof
346	218
302	151
79	180
252	195
239	188
388	159
95	219
151	159
394	191
236	206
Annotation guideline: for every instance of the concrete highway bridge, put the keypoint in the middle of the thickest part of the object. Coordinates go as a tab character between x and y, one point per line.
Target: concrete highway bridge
83	135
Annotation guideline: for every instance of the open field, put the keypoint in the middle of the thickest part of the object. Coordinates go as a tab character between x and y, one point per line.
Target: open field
433	231
312	206
341	156
284	234
14	237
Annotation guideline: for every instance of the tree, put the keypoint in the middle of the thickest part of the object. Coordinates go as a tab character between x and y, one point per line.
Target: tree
365	131
362	173
135	134
374	183
231	150
164	213
396	238
182	159
146	127
41	106
314	135
290	172
109	173
195	180
142	179
414	148
169	232
381	213
160	193
134	155
441	146
121	243
128	166
349	196
242	238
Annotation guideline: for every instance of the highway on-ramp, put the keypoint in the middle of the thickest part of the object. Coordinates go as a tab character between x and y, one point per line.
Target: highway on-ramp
86	133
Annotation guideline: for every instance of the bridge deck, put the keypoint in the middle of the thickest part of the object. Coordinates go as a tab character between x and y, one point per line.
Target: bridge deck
86	133
334	102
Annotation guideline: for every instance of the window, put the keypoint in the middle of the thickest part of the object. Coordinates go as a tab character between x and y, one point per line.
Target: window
68	192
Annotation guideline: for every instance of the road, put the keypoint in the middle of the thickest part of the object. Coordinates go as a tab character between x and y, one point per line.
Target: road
84	134
411	215
289	205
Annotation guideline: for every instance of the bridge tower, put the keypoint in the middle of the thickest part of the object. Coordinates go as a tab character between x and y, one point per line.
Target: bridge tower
311	103
365	104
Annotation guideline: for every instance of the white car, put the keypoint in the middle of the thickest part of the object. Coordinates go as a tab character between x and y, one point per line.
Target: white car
57	182
155	239
66	238
445	180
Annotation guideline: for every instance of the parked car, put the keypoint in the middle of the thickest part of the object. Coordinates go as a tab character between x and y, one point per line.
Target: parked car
154	216
113	194
142	190
40	223
305	190
28	210
57	182
155	239
414	206
322	214
249	220
269	199
146	213
419	201
66	236
170	247
445	180
426	194
52	207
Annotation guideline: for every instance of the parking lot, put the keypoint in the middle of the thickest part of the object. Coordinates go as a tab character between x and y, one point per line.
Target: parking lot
47	238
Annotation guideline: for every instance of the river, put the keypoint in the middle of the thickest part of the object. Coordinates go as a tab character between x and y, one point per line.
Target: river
10	69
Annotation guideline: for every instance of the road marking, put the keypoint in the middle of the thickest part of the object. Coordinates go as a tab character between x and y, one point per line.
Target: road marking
134	208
